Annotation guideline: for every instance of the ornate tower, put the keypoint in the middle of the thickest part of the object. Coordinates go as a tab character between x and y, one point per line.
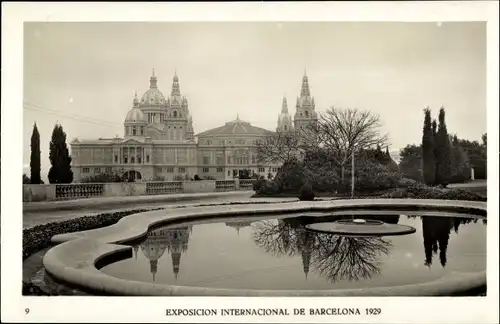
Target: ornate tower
153	103
285	123
153	248
178	124
305	113
178	244
135	123
306	242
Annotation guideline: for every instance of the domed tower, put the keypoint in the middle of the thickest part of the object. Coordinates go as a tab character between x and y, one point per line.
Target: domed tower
135	123
285	123
153	103
238	225
178	124
178	244
305	114
153	248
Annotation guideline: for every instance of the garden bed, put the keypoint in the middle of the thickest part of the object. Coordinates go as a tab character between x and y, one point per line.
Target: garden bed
416	191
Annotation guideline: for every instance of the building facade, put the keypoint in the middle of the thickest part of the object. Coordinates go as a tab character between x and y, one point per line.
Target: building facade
159	142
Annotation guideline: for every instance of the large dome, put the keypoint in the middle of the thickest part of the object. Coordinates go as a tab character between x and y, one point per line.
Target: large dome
134	115
153	97
236	127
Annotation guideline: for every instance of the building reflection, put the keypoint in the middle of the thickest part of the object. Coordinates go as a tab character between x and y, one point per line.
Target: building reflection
238	225
331	256
174	241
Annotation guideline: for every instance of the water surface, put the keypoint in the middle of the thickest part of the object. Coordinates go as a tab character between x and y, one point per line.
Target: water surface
279	253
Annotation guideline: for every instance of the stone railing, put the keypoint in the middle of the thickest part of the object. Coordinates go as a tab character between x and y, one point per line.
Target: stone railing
163	188
51	192
79	190
225	185
246	184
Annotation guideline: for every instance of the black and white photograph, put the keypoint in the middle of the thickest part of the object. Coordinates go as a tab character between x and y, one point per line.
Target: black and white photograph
302	160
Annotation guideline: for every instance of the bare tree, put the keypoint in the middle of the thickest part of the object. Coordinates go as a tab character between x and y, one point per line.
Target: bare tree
341	131
278	148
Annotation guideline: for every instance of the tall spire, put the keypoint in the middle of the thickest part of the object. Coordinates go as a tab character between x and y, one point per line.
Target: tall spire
176	260
136	100
176	91
153	266
284	106
136	249
152	81
304	92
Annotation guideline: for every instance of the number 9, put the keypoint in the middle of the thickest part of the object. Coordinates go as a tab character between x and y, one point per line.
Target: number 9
26	310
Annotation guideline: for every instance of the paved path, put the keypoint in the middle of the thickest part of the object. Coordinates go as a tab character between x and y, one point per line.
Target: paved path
84	207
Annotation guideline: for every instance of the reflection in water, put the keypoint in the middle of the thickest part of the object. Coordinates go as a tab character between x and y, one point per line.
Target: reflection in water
173	240
238	225
331	256
436	231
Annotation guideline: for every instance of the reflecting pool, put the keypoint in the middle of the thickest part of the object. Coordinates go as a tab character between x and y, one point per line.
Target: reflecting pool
280	253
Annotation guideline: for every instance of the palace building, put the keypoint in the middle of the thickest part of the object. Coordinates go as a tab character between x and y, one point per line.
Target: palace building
159	142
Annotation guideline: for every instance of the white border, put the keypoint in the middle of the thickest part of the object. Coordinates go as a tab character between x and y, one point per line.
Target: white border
151	309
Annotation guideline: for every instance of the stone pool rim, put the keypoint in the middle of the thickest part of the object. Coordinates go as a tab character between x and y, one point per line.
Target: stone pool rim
74	260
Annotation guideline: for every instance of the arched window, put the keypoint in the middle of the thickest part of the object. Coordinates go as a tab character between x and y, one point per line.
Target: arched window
285	127
175	113
139	159
125	159
307	113
132	160
134	131
142	130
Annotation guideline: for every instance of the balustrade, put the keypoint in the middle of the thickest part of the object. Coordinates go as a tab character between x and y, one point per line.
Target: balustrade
88	190
162	188
79	190
246	184
225	185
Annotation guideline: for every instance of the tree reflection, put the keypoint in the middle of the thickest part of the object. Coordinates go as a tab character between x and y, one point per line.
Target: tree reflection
349	258
331	256
436	232
278	239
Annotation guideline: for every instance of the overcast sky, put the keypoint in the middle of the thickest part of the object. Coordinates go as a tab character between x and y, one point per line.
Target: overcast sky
83	75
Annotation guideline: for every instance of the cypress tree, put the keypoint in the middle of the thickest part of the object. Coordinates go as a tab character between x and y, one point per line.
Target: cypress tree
60	171
35	177
443	154
428	162
434	136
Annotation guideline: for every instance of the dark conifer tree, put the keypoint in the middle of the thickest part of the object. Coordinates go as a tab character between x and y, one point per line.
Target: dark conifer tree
60	160
35	177
428	161
443	152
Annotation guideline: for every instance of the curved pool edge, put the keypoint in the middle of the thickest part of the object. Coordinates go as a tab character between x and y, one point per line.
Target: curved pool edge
74	260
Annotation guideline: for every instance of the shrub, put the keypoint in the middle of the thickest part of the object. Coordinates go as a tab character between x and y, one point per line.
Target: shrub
406	182
373	177
306	192
29	289
38	237
259	185
290	177
421	191
196	177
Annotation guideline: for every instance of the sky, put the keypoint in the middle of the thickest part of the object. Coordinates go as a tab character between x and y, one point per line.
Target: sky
84	75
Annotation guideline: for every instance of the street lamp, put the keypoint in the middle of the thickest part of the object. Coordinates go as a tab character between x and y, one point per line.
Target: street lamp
352	171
